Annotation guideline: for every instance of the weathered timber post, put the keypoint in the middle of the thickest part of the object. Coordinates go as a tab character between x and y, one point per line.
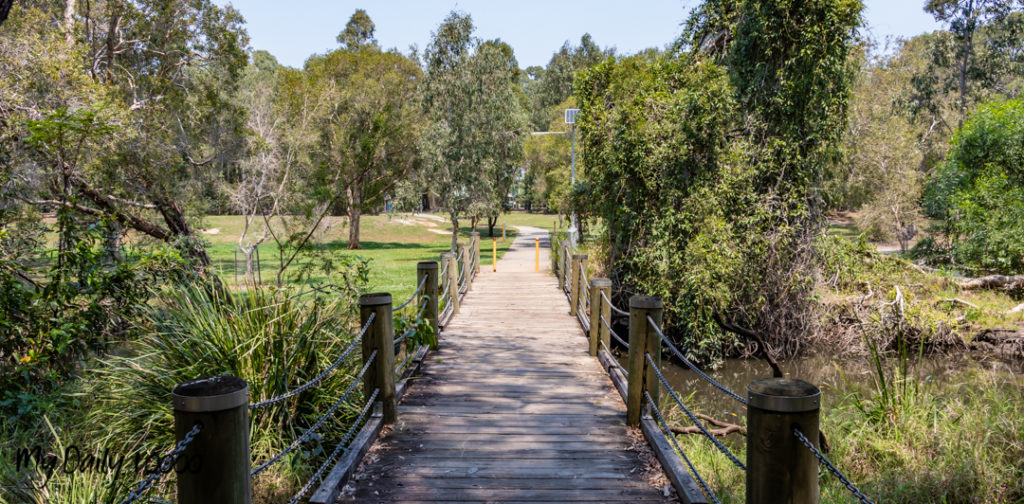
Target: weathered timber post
380	337
215	466
428	270
779	468
475	241
453	280
597	286
567	264
579	262
467	265
642	340
556	253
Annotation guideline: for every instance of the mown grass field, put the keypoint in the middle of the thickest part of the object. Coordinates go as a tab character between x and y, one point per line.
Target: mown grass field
392	243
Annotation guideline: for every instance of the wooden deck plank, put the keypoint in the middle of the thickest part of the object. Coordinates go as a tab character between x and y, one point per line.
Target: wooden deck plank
509	409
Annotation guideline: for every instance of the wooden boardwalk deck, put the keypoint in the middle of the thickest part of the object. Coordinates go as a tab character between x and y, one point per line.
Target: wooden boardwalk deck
510	409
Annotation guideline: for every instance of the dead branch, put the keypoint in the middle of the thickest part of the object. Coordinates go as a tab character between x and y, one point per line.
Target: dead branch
747	333
724	428
961	301
1005	282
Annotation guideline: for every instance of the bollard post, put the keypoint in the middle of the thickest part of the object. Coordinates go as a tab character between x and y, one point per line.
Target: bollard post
475	241
579	261
453	280
597	286
467	265
642	340
567	263
536	254
428	270
380	337
779	468
215	466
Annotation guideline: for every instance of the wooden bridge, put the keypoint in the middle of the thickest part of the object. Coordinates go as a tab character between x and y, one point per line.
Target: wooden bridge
520	400
511	408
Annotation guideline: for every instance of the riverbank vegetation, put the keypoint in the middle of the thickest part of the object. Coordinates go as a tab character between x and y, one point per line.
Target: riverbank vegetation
174	204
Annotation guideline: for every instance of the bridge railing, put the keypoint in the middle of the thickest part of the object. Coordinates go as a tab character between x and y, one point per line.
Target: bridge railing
212	415
782	414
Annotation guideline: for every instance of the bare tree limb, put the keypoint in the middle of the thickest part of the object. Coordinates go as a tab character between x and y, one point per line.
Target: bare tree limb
5	8
747	333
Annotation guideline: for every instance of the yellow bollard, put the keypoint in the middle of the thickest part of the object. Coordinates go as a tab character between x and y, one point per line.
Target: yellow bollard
536	255
494	254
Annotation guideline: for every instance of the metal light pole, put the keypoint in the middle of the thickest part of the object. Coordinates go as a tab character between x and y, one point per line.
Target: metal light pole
570	118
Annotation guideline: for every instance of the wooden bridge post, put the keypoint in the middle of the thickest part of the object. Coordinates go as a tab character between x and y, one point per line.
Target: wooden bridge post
566	264
579	263
426	272
453	280
597	309
475	241
556	254
467	265
380	337
642	340
220	452
779	468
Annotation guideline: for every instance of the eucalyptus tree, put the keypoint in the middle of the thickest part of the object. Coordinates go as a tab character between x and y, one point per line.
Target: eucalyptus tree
365	139
475	139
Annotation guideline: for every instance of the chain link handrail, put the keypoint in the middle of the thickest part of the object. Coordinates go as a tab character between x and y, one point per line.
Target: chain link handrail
403	336
613	333
413	296
668	433
306	386
305	436
693	418
337	450
613	362
614	309
832	468
693	367
164	466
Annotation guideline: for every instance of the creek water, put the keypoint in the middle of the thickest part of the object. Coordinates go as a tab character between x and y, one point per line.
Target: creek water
835	377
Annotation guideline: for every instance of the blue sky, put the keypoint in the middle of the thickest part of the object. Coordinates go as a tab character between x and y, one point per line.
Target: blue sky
294	30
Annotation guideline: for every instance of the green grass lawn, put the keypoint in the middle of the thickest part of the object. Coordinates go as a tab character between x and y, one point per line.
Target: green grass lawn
393	245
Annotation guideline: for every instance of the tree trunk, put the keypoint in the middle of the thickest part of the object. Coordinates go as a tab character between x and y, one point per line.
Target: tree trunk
68	25
490	226
250	272
455	229
112	243
5	8
179	228
353	228
355	203
968	42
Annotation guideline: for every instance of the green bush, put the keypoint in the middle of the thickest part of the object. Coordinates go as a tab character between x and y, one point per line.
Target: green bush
978	192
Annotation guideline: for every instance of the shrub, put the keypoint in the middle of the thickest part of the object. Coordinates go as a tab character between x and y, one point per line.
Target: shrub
978	192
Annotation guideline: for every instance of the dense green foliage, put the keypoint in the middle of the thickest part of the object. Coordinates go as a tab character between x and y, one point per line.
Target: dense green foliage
979	191
715	163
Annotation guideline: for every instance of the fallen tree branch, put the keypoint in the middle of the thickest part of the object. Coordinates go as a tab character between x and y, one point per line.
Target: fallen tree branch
724	429
961	301
1005	282
747	333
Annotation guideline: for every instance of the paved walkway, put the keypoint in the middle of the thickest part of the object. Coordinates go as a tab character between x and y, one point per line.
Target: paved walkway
511	408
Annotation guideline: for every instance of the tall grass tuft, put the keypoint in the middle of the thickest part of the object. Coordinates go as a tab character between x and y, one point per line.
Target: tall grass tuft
266	336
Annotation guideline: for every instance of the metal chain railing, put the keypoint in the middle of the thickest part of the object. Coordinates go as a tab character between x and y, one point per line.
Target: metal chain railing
614	309
693	418
693	367
613	333
343	445
832	468
614	363
668	433
311	383
323	418
164	467
414	294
